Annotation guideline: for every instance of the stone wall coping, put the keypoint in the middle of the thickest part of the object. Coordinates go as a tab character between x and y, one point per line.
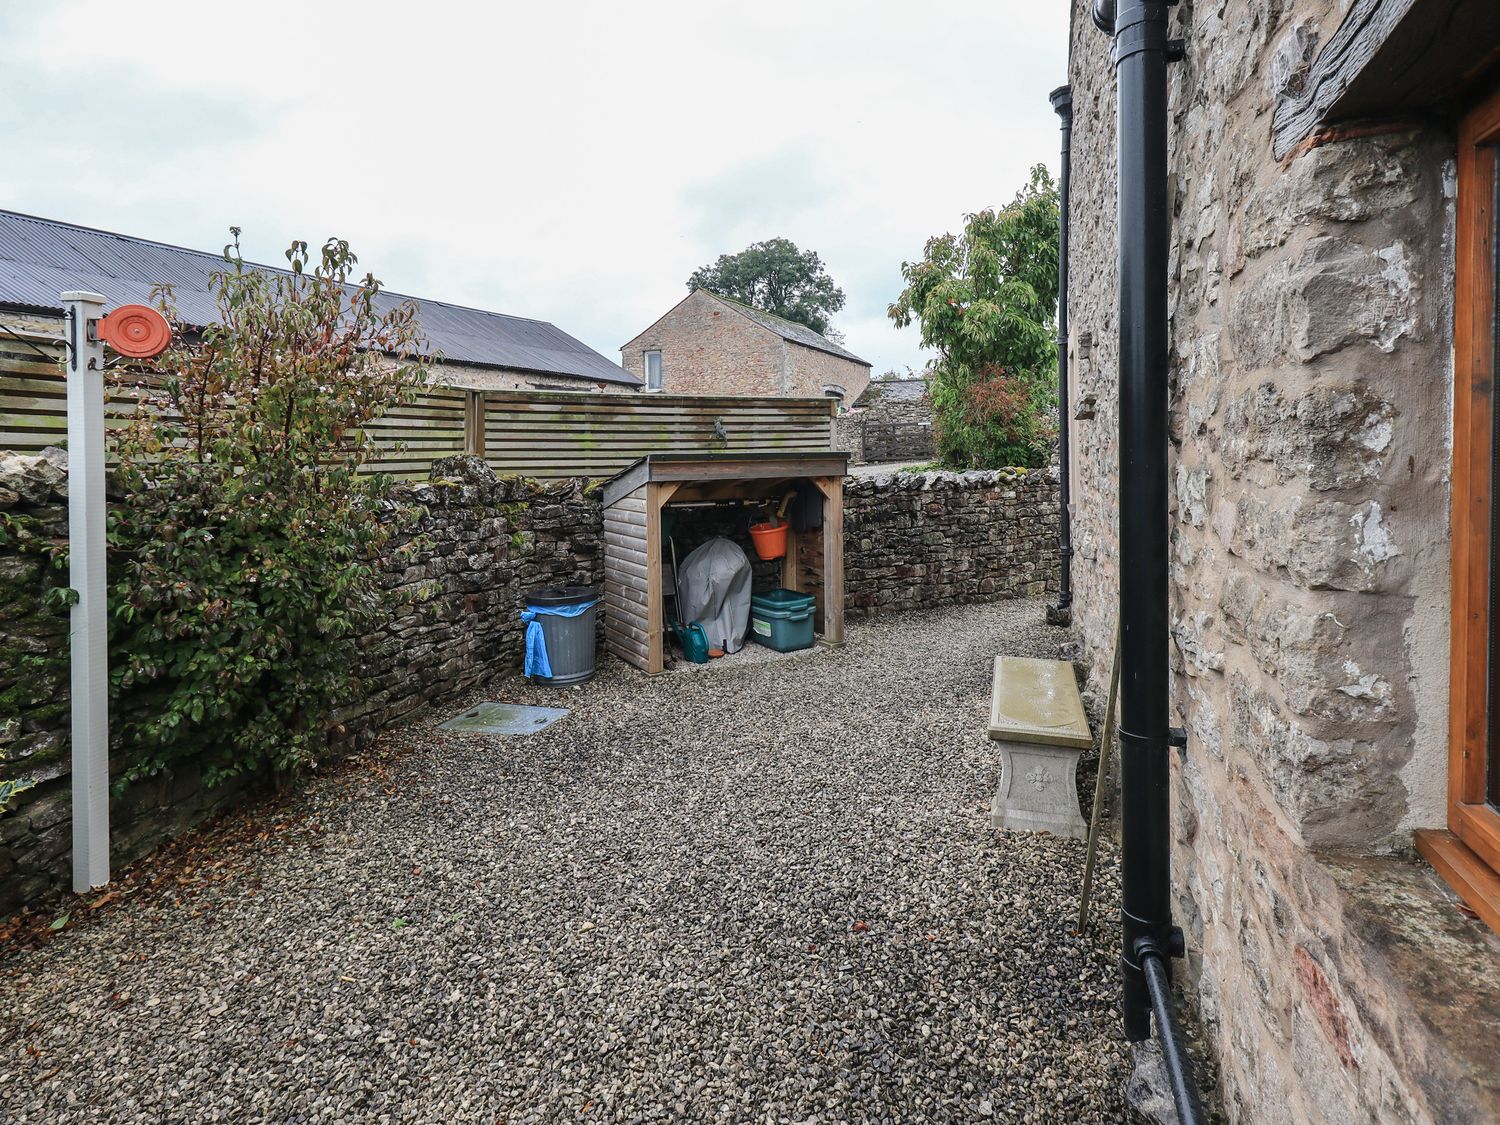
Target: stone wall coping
33	478
927	480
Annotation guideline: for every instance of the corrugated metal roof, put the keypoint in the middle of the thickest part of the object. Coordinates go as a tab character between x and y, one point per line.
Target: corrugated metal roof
41	258
790	329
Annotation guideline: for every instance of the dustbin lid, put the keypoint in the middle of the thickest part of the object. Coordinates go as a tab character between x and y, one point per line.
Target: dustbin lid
561	595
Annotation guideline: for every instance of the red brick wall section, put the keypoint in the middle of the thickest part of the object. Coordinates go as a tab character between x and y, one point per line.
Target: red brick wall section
707	348
812	370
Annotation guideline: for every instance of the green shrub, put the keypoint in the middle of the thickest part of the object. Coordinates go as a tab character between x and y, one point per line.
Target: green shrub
993	419
242	549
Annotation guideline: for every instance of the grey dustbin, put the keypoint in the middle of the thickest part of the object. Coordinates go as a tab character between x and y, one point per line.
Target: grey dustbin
570	640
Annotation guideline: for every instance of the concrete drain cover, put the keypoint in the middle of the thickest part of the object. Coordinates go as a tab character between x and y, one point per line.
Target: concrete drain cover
505	718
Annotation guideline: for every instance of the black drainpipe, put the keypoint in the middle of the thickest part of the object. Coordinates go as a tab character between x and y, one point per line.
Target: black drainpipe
1061	614
1150	940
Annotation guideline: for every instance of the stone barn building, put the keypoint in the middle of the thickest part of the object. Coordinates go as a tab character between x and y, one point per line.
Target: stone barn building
1336	839
890	422
709	345
41	258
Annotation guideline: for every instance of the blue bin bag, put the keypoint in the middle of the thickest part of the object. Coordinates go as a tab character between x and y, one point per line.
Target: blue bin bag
537	663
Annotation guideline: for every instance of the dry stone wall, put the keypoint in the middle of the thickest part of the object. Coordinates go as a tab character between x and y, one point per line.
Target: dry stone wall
470	545
916	540
891	426
456	573
457	577
1310	374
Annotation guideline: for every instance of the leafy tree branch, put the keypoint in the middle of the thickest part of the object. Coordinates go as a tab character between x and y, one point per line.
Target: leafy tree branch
986	301
776	277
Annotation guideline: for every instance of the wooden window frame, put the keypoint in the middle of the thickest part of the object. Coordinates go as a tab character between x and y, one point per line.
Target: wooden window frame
1468	854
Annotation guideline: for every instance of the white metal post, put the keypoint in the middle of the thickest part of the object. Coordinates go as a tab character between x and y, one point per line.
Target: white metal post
88	633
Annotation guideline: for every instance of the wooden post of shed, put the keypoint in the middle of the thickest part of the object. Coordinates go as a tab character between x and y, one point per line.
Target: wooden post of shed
634	617
832	489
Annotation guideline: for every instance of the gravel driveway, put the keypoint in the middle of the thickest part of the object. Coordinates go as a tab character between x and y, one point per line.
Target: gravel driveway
767	894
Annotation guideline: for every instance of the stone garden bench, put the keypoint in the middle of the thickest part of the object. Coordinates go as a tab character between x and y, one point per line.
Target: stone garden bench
1037	719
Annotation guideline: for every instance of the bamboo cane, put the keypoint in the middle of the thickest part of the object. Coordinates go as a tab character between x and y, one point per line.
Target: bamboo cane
1106	744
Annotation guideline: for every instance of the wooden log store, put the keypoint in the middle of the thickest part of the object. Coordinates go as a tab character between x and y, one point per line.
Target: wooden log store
634	615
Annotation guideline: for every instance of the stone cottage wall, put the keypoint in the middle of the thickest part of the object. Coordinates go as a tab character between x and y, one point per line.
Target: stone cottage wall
1310	406
708	349
806	371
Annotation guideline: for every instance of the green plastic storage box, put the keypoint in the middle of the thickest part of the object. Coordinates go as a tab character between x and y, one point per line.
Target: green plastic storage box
782	619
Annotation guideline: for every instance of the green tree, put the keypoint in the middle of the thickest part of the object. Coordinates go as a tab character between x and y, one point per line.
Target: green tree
776	277
986	300
241	553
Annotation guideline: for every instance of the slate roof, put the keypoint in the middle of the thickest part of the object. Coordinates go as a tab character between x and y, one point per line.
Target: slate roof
41	258
789	329
892	390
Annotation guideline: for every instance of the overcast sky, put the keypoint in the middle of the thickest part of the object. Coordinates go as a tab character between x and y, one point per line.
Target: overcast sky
571	162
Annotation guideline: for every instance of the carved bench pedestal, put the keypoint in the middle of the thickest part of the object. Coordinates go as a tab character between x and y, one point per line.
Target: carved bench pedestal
1038	790
1038	722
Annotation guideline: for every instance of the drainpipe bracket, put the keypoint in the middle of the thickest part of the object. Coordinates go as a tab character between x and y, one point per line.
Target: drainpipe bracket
1178	737
1171	944
1141	27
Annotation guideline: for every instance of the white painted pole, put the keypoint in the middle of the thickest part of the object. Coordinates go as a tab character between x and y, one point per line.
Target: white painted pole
88	633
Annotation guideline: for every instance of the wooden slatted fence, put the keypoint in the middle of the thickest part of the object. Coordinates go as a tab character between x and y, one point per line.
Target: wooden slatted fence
545	434
411	436
34	413
565	434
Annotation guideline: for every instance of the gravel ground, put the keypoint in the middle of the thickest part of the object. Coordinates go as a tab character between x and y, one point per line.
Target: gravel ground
768	894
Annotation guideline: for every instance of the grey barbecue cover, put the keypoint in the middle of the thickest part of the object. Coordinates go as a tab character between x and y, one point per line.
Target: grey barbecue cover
713	589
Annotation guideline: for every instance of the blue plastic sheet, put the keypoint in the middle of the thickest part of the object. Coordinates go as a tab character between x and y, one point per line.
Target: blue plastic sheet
537	663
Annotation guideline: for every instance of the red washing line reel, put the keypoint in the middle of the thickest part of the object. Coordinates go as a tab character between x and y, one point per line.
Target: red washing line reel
136	331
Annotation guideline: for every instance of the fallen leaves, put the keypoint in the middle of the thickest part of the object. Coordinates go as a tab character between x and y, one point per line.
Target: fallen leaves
218	852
